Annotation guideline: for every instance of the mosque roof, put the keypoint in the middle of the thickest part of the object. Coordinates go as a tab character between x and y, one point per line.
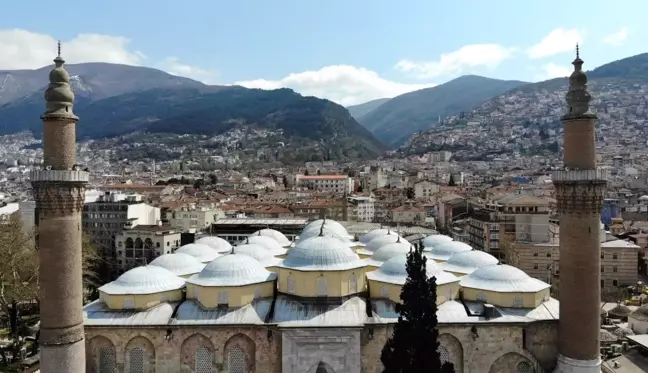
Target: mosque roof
216	243
275	235
640	313
431	241
258	252
322	253
203	253
386	252
267	243
444	250
378	242
327	230
467	261
232	270
503	279
180	264
394	271
143	280
328	223
367	237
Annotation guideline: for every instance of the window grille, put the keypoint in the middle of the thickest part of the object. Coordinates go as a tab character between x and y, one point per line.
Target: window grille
129	303
223	298
518	302
524	367
322	287
236	360
107	360
481	297
444	355
291	284
353	284
204	361
136	360
257	293
384	292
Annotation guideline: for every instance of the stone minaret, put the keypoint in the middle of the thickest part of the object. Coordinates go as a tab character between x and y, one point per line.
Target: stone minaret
580	189
59	193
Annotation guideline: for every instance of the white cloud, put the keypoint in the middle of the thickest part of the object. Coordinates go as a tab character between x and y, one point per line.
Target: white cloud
558	41
617	38
344	84
552	70
172	65
466	58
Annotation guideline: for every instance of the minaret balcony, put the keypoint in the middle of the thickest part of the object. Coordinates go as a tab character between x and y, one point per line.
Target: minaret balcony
59	176
568	176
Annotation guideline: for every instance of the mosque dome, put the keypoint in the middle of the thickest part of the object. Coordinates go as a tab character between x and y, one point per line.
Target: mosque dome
367	237
467	261
258	252
275	235
180	264
327	223
640	314
267	243
327	230
643	198
216	243
502	279
394	271
232	270
322	253
430	242
144	280
381	241
201	252
443	251
386	252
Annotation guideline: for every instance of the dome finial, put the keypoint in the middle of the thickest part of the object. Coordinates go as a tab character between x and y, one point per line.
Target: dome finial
247	239
398	239
259	233
388	231
232	252
321	233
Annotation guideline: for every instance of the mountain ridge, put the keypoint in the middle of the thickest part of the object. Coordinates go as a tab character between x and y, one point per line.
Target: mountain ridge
360	110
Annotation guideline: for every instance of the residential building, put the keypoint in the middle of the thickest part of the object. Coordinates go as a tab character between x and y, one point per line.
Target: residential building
340	184
143	243
360	208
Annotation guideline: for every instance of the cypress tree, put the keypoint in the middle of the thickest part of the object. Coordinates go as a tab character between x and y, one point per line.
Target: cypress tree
414	345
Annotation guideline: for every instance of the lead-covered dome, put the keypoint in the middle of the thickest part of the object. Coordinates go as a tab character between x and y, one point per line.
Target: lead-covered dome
232	270
502	279
258	252
180	264
203	253
322	253
275	235
143	280
394	271
430	242
216	243
267	243
327	223
339	233
367	237
467	261
443	251
387	252
381	241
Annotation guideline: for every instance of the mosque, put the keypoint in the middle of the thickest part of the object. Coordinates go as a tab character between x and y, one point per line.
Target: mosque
324	305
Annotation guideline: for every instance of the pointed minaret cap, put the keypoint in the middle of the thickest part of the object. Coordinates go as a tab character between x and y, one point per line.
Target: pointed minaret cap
577	97
59	98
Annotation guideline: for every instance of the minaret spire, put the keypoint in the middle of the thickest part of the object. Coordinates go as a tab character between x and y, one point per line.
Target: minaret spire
578	97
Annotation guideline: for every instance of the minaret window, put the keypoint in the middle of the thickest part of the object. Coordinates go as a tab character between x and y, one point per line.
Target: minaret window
322	287
353	284
291	284
204	361
107	360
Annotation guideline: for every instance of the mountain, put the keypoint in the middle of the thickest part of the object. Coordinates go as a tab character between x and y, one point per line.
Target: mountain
115	100
360	110
396	120
526	120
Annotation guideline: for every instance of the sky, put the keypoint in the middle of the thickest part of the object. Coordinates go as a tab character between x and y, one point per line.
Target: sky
348	51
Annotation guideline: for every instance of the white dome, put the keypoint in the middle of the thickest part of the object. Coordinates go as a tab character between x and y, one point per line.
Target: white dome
643	198
201	252
327	223
322	253
445	250
144	280
232	270
328	231
267	243
387	252
257	252
381	241
467	261
394	271
216	243
502	278
431	241
275	235
367	237
180	264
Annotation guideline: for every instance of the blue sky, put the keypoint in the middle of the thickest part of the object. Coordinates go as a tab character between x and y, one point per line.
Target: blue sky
348	51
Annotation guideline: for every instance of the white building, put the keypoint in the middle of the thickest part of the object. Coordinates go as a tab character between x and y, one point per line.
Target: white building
361	208
425	189
326	183
194	219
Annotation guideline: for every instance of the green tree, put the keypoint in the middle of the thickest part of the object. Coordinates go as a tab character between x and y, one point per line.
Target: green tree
452	182
414	345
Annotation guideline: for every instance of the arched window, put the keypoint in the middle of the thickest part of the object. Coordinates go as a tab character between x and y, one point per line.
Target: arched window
353	284
136	360
384	292
204	361
223	298
139	243
322	287
444	355
291	284
524	367
236	360
107	360
129	243
148	243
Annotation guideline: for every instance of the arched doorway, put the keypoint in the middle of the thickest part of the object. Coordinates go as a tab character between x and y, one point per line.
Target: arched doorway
322	367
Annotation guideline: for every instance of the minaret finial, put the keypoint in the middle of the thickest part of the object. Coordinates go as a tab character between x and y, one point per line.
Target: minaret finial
578	98
247	239
59	49
577	52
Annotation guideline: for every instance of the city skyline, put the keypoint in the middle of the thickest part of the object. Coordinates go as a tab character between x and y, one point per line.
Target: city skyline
333	56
